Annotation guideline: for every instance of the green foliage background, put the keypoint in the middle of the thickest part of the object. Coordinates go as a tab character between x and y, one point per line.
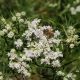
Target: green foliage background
38	8
44	9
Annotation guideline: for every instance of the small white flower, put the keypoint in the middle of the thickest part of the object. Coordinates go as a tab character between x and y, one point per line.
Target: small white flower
73	11
78	8
71	27
5	30
68	40
60	73
71	45
12	54
38	33
23	57
17	65
29	53
1	77
2	33
45	61
10	34
8	27
21	20
71	75
76	37
13	50
56	33
56	63
3	19
27	73
65	78
18	14
14	18
23	13
56	41
11	65
77	1
46	27
18	43
34	23
0	73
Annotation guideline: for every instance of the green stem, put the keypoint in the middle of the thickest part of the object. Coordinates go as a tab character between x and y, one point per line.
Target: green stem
64	30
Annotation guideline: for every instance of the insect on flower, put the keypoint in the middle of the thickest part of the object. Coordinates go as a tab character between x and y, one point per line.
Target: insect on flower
48	32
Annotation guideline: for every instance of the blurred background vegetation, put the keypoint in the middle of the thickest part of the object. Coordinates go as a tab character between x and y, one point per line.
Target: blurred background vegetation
46	8
50	11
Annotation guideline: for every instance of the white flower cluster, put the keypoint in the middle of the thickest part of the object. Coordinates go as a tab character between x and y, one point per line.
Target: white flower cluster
60	73
35	42
39	40
1	76
18	17
7	30
42	45
69	76
76	2
18	63
7	26
72	37
51	58
76	10
18	43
